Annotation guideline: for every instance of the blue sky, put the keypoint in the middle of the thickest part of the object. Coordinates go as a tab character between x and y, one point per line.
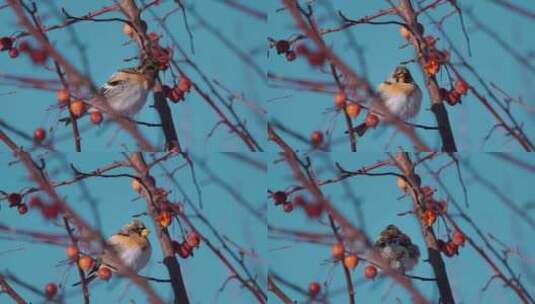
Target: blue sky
301	263
381	50
106	49
116	202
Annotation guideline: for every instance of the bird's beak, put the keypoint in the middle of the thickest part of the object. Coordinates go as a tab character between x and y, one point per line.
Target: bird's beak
145	232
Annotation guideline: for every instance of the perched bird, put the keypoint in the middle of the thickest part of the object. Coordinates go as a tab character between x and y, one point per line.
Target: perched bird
397	249
125	92
401	95
130	244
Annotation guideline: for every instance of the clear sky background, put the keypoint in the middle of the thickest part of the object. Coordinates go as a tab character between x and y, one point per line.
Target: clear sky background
305	112
106	47
116	202
301	263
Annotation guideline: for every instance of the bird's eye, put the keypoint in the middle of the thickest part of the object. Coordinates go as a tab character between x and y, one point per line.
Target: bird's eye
114	83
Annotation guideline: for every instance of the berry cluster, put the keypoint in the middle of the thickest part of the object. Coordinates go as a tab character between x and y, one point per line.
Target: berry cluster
37	55
185	248
453	96
177	92
351	260
353	109
15	200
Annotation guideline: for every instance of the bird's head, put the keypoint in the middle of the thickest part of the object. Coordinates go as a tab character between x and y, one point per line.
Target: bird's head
136	227
402	74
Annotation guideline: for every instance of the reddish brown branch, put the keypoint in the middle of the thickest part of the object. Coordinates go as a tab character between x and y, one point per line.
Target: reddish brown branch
6	288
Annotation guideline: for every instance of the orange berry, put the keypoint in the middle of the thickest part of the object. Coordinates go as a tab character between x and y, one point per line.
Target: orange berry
340	99
404	32
72	251
370	272
128	30
104	273
351	261
432	66
183	250
62	96
371	120
337	251
50	290
428	217
77	108
136	185
193	239
353	110
85	262
458	238
39	134
314	289
95	117
316	138
164	218
461	87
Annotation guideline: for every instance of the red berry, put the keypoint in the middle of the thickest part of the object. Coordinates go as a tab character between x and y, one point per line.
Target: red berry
6	43
302	49
371	120
104	273
39	134
313	210
299	200
429	41
316	138
184	84
453	97
450	249
282	46
50	290
95	117
193	239
183	250
288	207
22	208
50	212
35	202
154	38
13	53
316	58
370	272
290	56
176	95
14	199
39	56
461	87
279	197
24	46
458	238
314	289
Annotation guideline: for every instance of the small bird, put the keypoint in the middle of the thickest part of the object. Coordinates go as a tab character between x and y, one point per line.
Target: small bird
397	249
125	92
130	244
401	95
